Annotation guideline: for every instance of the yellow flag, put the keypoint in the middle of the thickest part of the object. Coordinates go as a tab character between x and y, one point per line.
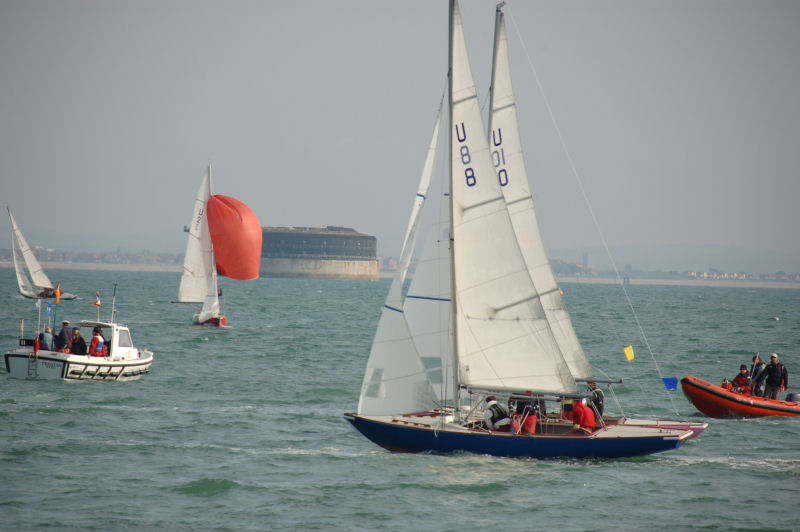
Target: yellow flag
628	352
58	294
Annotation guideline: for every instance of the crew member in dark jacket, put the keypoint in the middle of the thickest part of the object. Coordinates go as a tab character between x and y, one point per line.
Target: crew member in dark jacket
598	399
78	343
64	338
756	376
776	378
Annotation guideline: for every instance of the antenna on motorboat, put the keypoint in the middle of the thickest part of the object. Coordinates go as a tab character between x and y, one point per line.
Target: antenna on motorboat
114	305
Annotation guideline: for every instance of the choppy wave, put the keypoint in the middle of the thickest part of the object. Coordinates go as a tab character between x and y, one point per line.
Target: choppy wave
242	428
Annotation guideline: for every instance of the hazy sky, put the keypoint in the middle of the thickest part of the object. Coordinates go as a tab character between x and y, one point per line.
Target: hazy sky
682	117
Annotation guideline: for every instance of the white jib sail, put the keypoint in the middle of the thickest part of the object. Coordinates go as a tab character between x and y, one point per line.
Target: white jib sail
211	302
38	277
428	305
506	147
503	340
198	264
395	380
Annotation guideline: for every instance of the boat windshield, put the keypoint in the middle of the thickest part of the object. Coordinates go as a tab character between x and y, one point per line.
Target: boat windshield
87	333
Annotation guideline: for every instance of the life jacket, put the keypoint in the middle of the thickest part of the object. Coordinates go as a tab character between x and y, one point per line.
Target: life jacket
500	419
96	347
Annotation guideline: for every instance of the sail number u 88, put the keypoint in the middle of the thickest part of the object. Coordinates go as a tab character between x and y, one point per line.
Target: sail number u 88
466	158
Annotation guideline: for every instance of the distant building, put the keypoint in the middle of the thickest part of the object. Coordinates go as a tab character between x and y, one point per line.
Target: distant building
318	252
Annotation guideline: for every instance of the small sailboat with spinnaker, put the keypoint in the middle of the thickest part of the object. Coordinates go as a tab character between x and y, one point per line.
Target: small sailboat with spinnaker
38	286
500	315
224	237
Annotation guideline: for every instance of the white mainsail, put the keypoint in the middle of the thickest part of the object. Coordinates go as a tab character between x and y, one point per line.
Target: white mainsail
39	279
395	379
506	147
24	284
503	339
198	264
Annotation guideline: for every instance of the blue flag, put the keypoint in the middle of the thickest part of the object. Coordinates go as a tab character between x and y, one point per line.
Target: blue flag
48	308
670	383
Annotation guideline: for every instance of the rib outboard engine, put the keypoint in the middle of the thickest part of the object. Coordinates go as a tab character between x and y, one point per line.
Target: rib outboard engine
794	397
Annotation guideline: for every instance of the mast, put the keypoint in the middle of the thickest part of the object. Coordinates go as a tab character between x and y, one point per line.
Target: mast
455	367
498	20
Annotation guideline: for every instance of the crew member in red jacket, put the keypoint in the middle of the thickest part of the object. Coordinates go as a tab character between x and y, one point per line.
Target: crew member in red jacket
582	417
96	348
741	383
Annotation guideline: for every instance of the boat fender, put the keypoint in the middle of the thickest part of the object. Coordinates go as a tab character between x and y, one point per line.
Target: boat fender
793	397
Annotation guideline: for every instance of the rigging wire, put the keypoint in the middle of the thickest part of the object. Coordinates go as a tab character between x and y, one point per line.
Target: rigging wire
575	174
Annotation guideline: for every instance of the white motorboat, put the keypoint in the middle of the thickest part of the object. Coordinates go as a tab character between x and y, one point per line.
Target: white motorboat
121	361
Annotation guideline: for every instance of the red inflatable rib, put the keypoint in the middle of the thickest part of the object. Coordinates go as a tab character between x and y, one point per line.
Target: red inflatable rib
716	401
236	236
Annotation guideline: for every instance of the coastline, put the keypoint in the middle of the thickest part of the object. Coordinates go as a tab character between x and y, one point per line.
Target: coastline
177	268
722	283
104	266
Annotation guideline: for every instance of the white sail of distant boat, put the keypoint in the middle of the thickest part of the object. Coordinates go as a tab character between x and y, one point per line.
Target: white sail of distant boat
199	278
394	366
24	284
509	163
39	285
503	340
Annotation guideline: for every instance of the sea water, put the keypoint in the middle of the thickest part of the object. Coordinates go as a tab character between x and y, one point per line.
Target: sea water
242	428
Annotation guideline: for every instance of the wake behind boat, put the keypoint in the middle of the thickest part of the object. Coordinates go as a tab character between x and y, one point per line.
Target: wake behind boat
38	286
718	402
511	331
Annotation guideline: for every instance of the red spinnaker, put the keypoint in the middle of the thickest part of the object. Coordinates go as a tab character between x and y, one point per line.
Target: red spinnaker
236	236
